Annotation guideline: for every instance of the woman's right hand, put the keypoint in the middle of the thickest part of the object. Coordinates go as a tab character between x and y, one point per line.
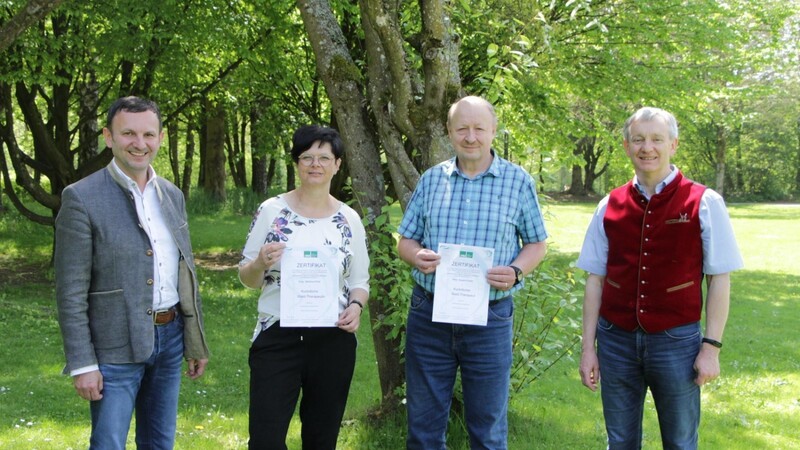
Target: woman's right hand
271	253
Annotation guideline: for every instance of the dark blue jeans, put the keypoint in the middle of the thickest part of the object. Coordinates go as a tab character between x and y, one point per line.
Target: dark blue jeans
151	388
630	362
435	351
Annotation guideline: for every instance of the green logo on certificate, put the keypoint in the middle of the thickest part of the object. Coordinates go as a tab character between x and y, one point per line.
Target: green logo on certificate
465	254
310	254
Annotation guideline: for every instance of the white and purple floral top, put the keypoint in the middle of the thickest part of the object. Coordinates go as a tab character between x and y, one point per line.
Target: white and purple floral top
275	221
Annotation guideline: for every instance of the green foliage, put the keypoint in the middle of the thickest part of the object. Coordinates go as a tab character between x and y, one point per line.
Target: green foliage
251	58
563	70
545	325
390	277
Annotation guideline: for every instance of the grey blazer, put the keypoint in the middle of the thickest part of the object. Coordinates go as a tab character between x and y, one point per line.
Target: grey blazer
104	273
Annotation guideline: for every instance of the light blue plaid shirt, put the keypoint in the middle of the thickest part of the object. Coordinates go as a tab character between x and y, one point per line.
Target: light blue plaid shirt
498	209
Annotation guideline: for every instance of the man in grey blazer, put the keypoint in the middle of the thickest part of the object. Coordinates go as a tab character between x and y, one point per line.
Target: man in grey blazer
126	287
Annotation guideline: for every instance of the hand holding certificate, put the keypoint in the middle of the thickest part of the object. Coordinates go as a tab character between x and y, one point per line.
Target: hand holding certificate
309	287
462	291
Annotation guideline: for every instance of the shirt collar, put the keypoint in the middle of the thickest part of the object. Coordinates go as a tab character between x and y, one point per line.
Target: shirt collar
122	176
450	167
660	186
127	182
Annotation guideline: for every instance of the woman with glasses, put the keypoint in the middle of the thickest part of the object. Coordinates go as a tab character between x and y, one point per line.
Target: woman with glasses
319	360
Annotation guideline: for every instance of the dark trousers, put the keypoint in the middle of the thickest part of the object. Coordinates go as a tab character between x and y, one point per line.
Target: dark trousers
320	361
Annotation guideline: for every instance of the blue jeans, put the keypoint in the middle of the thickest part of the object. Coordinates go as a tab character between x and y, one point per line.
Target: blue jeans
151	388
435	351
630	362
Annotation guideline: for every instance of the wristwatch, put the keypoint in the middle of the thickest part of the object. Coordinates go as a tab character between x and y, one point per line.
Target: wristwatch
518	273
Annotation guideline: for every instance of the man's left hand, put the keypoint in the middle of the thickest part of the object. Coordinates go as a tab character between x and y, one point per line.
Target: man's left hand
501	278
197	367
706	365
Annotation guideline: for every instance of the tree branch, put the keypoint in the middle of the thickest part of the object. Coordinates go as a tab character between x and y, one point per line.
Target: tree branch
31	13
12	195
221	75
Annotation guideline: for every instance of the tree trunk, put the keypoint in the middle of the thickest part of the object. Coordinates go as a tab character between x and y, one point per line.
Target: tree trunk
231	142
583	177
202	144
186	181
339	182
172	141
2	172
290	173
241	167
797	161
576	185
87	116
235	144
588	182
722	145
341	78
126	74
409	108
258	152
592	155
19	160
48	158
260	180
214	179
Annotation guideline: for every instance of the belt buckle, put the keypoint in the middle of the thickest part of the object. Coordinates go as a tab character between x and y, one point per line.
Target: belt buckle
169	313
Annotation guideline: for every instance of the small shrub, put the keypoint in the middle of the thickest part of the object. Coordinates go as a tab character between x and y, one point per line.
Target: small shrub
545	324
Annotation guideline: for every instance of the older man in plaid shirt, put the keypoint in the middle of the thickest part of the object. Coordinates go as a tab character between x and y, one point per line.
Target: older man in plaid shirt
476	199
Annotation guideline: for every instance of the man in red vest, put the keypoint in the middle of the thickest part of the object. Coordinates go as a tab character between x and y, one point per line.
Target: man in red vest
648	247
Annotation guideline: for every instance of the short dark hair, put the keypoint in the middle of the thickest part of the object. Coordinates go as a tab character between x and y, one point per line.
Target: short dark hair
132	104
307	135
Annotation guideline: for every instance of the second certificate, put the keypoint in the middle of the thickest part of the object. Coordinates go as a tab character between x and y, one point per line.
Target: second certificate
462	291
309	287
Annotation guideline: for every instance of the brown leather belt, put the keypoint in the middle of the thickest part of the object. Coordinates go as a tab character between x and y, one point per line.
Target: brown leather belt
165	316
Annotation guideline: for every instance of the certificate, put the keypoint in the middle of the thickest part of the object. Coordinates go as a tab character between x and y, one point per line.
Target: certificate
309	287
462	291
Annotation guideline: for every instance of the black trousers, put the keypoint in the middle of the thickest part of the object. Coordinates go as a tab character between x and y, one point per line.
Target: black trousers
320	361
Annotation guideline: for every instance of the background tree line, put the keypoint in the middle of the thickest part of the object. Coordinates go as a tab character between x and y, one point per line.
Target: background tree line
235	78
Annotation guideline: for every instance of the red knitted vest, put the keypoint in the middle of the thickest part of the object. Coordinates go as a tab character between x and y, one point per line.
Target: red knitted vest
655	257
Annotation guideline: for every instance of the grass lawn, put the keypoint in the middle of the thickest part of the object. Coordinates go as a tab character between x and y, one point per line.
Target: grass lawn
754	405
